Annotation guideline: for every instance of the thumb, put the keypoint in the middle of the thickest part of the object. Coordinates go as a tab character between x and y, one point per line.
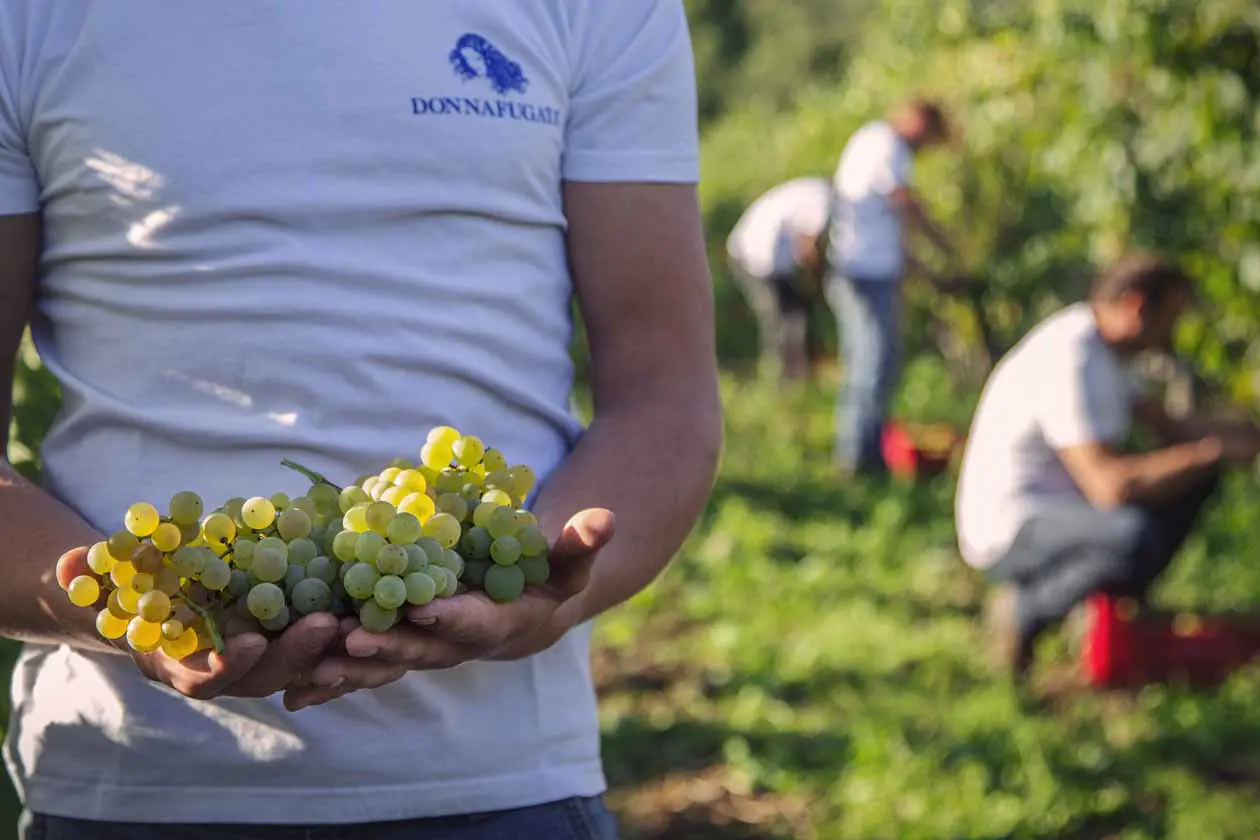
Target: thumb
585	534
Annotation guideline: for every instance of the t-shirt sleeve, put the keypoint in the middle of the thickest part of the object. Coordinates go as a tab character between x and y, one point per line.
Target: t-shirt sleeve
1084	399
891	164
632	109
19	189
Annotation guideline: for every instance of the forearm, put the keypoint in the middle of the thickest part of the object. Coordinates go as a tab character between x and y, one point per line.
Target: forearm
37	530
1154	477
653	468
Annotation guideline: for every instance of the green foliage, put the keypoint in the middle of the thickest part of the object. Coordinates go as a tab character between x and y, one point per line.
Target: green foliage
1089	127
36	400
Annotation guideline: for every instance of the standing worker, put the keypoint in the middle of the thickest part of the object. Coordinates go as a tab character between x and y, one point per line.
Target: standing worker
773	254
867	259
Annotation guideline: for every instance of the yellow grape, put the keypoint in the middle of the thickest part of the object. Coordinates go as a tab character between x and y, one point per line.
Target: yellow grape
144	636
84	591
413	481
167	537
99	559
523	480
122	574
219	529
110	626
468	451
419	505
379	515
497	497
258	513
494	461
444	528
184	646
443	436
141	519
115	606
155	606
394	495
499	479
143	582
356	519
483	512
436	456
129	600
389	474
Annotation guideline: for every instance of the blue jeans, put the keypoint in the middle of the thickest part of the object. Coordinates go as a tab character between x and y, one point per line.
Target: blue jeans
868	316
578	818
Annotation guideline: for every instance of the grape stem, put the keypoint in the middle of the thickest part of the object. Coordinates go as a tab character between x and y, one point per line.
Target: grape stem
204	615
315	477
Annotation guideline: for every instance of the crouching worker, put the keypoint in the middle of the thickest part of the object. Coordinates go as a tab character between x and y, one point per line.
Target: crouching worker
1049	505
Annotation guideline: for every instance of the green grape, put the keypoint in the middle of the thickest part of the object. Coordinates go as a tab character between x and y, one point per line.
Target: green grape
502	523
110	626
475	572
122	544
390	592
500	480
416	558
143	636
167	536
273	544
376	620
218	528
215	574
367	546
352	496
391	560
394	495
122	574
330	539
243	552
270	565
494	461
143	582
147	558
115	604
99	559
475	543
449	481
418	505
265	601
523	480
379	515
322	568
295	574
280	501
421	588
141	519
468	451
432	550
505	551
84	591
400	463
172	629
504	583
436	456
444	528
325	497
344	546
302	550
360	580
304	504
443	435
277	623
453	561
450	583
403	529
388	474
238	584
232	507
293	523
186	508
166	581
310	596
497	497
375	488
471	494
155	606
412	481
533	541
453	504
525	517
258	513
318	532
190	534
482	513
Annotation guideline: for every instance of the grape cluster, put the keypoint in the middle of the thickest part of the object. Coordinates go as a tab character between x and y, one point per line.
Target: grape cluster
182	581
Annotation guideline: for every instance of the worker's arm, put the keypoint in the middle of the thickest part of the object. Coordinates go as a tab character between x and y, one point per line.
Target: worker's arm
1150	413
916	218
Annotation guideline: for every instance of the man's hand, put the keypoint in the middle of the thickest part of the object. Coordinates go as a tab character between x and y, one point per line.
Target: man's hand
250	665
467	627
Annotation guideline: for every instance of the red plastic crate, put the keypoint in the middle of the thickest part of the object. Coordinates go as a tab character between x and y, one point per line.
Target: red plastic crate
906	457
1122	648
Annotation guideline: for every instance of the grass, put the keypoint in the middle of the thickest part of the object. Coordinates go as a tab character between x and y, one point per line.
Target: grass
812	667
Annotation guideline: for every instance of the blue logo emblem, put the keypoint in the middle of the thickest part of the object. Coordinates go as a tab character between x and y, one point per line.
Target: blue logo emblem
474	56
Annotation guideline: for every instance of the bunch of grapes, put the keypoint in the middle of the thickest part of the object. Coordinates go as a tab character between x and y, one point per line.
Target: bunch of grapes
183	581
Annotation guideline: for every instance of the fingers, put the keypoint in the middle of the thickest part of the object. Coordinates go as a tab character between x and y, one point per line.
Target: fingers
203	676
338	677
414	648
70	565
286	659
584	535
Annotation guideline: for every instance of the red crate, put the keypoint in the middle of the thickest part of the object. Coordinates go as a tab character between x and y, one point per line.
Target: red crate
908	457
1122	648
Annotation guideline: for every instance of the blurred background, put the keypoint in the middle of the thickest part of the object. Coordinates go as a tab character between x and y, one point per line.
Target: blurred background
812	666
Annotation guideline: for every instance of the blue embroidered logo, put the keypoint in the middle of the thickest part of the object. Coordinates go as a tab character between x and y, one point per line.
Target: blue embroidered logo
474	56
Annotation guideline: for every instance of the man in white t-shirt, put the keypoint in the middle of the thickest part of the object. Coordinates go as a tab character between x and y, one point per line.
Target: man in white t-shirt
1049	501
875	206
250	230
774	256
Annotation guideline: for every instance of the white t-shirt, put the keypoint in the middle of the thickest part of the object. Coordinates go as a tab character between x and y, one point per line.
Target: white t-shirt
866	229
762	242
1061	386
276	229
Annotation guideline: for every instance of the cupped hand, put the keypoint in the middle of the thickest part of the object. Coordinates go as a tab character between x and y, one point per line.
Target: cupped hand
469	626
250	664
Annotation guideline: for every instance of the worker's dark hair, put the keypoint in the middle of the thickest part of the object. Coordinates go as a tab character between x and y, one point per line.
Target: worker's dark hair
933	115
1152	276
